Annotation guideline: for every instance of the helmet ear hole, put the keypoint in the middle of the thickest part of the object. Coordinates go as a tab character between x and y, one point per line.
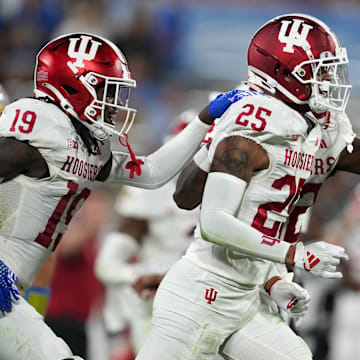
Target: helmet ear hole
277	67
69	89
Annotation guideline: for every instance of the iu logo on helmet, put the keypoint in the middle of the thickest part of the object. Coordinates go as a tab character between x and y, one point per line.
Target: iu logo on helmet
294	38
210	295
80	55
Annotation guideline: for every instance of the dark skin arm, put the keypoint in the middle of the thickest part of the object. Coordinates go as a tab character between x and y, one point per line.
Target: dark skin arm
240	157
234	155
350	162
18	157
189	187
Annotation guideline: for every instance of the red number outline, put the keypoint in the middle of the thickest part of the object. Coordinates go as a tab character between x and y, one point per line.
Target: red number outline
45	238
290	235
277	206
259	115
25	119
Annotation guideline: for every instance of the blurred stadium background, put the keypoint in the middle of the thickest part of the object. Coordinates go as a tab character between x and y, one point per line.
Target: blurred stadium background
179	51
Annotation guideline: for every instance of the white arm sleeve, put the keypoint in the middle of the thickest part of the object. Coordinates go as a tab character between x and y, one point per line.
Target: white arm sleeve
160	166
111	265
222	197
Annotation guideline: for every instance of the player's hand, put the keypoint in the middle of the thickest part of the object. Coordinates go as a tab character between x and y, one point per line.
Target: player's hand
146	285
290	297
320	259
8	288
219	105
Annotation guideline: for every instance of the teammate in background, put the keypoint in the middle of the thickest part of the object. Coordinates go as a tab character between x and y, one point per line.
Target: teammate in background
52	149
258	176
155	232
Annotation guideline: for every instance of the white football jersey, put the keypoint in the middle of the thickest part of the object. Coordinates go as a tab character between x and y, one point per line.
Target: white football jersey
35	212
170	229
291	143
336	135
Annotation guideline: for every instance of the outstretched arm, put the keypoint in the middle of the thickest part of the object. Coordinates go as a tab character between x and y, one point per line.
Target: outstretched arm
159	167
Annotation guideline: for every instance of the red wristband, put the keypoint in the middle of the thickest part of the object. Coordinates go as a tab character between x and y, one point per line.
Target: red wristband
270	283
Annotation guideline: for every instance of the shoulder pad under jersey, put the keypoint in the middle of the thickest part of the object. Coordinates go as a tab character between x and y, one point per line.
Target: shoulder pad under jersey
261	118
35	121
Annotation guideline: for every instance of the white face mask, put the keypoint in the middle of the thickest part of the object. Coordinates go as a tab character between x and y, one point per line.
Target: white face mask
329	81
108	105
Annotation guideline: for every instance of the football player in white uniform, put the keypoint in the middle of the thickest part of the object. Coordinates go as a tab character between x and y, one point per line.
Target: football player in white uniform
257	181
52	148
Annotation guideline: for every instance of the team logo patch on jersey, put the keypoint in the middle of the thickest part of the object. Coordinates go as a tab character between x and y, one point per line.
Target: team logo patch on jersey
73	144
210	295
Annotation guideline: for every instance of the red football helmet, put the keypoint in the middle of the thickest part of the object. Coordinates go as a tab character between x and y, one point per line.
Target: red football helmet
298	58
89	78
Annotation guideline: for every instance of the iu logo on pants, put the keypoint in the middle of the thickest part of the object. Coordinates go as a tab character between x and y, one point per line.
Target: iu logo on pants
210	295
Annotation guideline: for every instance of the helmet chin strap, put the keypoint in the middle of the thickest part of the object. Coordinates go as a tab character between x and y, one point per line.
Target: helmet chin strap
63	102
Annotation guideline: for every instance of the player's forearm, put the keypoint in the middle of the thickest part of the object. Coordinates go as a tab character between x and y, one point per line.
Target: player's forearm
224	229
189	187
160	166
222	196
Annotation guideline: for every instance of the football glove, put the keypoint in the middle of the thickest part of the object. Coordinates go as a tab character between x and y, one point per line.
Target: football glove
8	288
221	103
320	259
290	297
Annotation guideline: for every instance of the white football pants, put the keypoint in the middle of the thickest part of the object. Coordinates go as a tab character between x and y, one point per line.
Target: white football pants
25	336
190	322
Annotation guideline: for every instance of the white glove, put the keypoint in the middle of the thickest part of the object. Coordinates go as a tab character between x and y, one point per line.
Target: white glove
320	259
290	297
